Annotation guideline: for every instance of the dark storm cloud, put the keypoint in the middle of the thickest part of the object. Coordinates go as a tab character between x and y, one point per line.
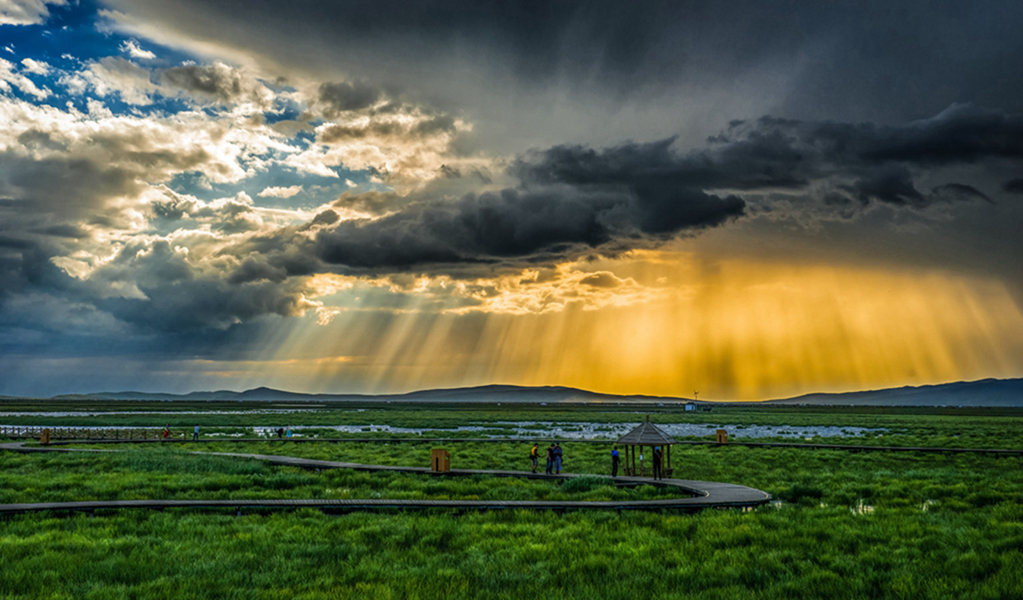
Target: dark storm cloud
287	249
203	303
63	188
865	162
1013	186
45	205
25	265
573	199
408	36
478	228
179	297
206	79
338	97
684	67
217	82
870	162
958	192
962	133
570	199
891	183
255	269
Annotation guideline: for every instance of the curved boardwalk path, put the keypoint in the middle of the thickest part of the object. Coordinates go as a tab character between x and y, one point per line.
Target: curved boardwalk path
705	494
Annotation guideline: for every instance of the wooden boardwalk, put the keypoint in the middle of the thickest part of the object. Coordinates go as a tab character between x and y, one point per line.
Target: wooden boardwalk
698	494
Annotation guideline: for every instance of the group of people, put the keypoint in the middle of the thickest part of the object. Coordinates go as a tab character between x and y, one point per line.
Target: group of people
658	462
166	433
554	458
555	454
280	431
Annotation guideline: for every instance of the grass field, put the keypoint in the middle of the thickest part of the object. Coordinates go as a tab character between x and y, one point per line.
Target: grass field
848	525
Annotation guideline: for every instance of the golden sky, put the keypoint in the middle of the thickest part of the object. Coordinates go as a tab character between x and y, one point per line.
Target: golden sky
743	329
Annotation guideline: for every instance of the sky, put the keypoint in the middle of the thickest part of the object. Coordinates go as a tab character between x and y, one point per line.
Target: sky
740	199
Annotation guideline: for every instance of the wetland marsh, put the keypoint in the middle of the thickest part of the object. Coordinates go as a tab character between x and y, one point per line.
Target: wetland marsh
844	525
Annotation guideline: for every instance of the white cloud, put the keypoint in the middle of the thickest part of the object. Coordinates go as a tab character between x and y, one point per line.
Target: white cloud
140	151
112	74
9	78
135	51
35	67
280	192
26	12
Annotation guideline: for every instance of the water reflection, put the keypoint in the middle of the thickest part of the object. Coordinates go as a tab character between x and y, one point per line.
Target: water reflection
538	430
591	431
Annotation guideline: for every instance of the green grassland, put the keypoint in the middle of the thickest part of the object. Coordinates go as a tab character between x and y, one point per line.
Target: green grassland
848	525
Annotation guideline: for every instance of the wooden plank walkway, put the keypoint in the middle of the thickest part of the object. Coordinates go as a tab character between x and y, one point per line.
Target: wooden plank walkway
347	505
702	494
801	445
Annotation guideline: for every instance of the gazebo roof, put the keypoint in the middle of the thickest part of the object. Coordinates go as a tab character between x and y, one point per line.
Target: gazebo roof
646	434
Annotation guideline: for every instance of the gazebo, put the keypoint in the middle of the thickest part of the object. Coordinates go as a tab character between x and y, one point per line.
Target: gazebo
646	434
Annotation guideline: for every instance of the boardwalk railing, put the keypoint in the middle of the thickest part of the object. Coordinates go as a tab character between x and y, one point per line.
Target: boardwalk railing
21	432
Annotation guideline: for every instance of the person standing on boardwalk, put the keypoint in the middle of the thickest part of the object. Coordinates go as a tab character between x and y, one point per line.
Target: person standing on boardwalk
657	462
557	458
195	434
614	462
166	431
550	459
280	433
534	455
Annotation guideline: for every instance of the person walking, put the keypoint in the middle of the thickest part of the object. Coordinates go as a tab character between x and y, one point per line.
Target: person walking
280	433
195	434
534	456
550	459
166	431
657	462
557	458
614	462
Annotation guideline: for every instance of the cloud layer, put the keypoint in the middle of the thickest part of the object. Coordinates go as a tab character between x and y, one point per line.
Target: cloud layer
196	176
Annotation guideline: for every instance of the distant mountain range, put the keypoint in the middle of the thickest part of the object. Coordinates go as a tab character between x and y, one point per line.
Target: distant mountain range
985	392
485	393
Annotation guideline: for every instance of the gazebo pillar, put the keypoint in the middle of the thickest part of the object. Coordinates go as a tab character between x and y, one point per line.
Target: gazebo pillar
646	434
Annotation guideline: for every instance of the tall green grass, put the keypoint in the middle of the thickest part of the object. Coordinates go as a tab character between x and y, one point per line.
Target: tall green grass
849	525
788	553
